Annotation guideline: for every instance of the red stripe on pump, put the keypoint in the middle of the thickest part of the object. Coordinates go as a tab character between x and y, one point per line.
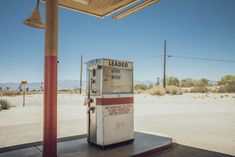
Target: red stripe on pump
113	101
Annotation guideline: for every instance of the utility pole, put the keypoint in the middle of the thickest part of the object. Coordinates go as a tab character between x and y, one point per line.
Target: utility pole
164	70
81	75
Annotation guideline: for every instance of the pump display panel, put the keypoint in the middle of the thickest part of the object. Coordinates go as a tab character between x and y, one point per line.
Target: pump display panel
117	81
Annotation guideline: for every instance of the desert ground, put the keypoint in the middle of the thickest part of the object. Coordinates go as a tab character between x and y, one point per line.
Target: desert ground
204	121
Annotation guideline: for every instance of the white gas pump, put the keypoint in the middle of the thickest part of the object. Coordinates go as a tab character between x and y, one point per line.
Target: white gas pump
110	102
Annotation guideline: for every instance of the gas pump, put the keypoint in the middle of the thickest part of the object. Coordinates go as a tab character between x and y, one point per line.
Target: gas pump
110	102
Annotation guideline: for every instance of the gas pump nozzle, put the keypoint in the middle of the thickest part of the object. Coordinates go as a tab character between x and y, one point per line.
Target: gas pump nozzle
91	109
90	101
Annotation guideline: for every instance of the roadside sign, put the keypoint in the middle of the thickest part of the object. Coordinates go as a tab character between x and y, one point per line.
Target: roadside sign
24	82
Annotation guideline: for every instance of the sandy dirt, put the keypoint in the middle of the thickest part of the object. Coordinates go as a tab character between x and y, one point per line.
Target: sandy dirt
204	121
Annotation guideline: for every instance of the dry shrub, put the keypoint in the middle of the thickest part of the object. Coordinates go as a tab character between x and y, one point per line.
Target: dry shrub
226	89
157	90
141	86
173	90
139	91
188	82
10	93
213	89
227	79
186	90
5	105
32	92
66	91
199	89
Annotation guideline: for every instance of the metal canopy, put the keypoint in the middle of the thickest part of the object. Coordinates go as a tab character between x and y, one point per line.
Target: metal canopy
99	8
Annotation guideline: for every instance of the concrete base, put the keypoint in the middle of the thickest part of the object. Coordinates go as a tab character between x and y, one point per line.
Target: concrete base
144	145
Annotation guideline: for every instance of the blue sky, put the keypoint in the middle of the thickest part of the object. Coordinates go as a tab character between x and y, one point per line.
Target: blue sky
198	28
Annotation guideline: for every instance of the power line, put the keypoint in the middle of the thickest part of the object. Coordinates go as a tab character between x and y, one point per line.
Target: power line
196	58
202	59
157	56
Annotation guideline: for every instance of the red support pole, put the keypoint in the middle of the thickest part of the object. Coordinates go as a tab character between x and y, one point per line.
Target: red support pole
50	80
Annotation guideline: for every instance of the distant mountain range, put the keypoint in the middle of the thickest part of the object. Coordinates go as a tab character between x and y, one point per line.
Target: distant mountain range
62	84
69	84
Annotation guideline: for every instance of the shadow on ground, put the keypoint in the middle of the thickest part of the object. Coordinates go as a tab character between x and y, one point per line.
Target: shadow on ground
185	151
